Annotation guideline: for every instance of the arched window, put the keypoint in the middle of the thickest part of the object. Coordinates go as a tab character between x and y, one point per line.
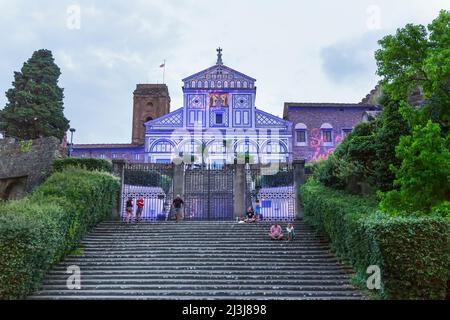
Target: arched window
245	85
301	134
206	84
238	84
225	84
232	84
212	84
326	131
193	84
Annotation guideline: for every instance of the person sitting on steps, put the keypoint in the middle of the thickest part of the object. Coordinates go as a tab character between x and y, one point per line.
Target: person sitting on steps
276	232
250	215
291	236
177	204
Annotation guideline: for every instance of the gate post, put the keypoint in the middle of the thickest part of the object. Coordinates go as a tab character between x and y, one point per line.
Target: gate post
178	180
299	179
118	171
239	190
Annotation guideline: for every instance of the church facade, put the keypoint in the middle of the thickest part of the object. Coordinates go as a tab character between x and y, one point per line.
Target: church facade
219	123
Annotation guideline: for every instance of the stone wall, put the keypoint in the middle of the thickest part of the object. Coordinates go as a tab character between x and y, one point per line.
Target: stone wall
24	167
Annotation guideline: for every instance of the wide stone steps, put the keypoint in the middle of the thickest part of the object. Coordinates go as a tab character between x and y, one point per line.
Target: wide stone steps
201	260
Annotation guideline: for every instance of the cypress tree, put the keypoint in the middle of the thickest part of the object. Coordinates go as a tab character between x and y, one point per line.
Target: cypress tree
35	106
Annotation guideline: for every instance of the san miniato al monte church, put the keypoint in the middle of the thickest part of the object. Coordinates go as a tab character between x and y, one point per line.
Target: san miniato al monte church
219	122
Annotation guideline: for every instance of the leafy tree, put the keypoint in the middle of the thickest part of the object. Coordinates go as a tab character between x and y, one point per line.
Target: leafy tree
386	138
35	103
423	177
417	58
351	163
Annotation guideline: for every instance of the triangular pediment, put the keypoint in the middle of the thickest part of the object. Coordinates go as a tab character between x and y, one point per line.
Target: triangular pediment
267	120
170	120
219	72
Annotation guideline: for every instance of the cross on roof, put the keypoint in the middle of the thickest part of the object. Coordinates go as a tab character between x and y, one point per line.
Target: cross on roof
219	55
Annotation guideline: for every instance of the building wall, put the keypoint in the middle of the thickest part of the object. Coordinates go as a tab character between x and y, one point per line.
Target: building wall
314	118
150	101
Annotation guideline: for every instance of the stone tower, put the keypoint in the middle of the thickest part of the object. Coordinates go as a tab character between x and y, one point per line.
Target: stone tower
150	101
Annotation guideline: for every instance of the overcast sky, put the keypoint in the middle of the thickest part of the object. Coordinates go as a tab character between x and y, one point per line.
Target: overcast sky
299	51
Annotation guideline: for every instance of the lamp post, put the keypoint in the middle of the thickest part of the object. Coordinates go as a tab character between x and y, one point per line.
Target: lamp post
72	131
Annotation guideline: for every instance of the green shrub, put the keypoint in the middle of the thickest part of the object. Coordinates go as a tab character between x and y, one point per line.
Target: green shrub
89	164
412	252
38	231
423	176
413	255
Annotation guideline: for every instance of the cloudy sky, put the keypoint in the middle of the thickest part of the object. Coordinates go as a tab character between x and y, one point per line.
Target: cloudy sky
298	50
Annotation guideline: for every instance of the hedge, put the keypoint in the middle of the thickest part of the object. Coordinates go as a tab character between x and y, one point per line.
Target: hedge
89	164
412	252
39	231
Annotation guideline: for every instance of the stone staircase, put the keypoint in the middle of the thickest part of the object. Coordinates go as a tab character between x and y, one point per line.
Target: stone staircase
201	260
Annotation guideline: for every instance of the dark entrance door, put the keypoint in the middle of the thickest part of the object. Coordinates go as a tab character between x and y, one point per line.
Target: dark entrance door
208	193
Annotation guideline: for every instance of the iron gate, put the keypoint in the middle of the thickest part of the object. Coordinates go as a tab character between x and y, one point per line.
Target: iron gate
274	187
154	183
208	193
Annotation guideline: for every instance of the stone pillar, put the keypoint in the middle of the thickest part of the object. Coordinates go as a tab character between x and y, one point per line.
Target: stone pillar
299	179
119	171
178	180
239	190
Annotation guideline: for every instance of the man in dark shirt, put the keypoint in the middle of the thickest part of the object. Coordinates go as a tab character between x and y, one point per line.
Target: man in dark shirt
177	205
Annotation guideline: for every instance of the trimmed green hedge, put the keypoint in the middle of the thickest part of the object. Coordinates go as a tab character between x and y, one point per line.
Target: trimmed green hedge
38	231
412	252
90	164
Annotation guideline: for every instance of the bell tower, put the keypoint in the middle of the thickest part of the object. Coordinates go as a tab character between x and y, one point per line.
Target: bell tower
150	102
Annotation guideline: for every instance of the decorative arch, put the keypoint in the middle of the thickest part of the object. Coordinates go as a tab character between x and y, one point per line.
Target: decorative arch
326	125
181	146
216	146
249	142
162	146
283	146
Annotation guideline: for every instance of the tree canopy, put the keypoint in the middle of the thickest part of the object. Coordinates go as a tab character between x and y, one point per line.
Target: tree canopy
35	105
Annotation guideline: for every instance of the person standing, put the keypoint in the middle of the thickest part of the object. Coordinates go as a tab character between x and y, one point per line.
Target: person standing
140	208
177	205
258	210
129	210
